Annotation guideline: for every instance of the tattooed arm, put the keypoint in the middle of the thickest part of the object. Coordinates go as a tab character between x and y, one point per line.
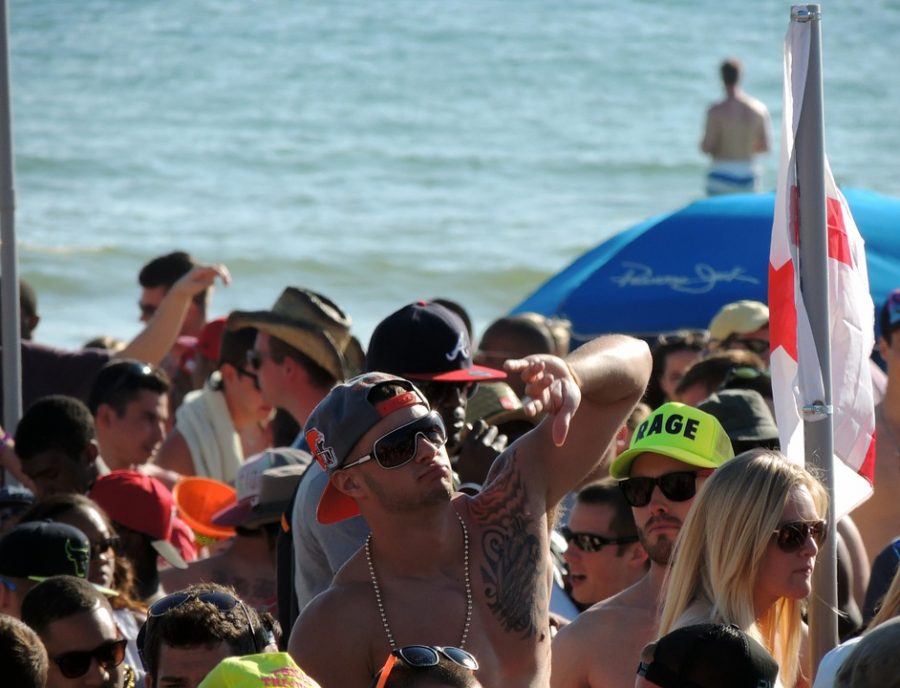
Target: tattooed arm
587	397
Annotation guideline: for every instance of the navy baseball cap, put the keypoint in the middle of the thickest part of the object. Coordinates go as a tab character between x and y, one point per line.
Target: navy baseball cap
37	550
426	341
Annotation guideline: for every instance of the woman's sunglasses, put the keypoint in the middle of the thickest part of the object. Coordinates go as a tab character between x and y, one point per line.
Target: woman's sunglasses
75	664
424	657
590	542
791	536
399	446
110	543
678	486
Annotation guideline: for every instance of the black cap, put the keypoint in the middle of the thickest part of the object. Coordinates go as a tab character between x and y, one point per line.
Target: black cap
711	656
426	341
39	549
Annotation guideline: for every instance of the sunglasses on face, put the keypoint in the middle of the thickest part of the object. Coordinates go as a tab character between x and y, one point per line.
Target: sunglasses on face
792	536
104	545
678	486
399	446
424	657
248	374
440	393
255	359
757	346
220	600
75	664
590	542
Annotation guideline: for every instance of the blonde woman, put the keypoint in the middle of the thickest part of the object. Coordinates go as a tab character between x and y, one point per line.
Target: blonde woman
746	554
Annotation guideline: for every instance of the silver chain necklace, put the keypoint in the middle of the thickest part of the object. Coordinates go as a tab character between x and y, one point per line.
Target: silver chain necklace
381	611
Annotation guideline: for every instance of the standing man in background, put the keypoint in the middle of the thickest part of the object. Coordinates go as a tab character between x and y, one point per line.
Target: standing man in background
737	128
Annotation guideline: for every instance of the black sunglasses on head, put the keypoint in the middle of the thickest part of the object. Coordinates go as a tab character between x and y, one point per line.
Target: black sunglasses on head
399	446
220	600
678	486
590	542
791	536
75	664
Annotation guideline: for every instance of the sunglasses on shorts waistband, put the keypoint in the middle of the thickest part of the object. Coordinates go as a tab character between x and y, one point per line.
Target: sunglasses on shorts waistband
791	536
591	542
424	657
678	486
399	446
220	600
75	664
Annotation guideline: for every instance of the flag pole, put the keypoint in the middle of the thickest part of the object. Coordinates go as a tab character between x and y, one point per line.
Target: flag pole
9	298
813	271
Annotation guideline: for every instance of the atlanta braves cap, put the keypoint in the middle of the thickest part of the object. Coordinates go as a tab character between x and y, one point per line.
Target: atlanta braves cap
340	420
426	341
678	431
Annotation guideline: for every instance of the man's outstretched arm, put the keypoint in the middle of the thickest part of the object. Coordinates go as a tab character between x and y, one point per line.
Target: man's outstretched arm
587	397
153	342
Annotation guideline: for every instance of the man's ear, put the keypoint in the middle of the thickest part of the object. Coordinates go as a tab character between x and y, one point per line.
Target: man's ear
91	452
638	557
348	483
229	373
104	415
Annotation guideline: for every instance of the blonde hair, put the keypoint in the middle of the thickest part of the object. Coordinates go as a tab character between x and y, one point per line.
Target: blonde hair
717	556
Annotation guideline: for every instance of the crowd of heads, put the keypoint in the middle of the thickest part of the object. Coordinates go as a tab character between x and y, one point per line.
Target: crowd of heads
693	493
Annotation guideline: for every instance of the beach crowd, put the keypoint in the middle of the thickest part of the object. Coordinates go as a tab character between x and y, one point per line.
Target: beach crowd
261	500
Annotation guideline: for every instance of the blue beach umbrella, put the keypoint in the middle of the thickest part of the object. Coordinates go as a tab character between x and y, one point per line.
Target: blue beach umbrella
676	270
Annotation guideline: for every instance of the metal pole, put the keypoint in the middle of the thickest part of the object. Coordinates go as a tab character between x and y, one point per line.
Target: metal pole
12	355
813	232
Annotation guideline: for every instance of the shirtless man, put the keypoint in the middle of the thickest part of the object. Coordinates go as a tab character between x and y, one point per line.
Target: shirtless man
736	129
601	648
445	568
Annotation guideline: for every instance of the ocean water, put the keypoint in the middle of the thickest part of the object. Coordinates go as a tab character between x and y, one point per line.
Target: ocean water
380	152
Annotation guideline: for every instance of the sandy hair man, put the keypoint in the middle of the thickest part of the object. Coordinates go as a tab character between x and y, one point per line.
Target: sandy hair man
672	453
445	568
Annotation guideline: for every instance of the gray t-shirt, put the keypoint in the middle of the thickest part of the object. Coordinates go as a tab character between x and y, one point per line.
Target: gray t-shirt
319	550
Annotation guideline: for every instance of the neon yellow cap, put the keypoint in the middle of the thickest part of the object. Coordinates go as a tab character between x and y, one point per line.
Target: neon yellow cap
269	670
681	432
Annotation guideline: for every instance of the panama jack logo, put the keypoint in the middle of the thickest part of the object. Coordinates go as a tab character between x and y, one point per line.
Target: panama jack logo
324	455
80	556
461	348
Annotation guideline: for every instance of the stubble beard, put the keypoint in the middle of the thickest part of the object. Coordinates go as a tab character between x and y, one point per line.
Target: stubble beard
660	550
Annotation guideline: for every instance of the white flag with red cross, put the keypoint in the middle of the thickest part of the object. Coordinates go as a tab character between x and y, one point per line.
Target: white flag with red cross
796	375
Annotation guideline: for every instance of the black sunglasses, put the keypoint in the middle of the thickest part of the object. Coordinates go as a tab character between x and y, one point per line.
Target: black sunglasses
757	346
399	446
424	657
111	543
590	542
438	393
255	358
791	536
220	600
75	664
252	376
678	486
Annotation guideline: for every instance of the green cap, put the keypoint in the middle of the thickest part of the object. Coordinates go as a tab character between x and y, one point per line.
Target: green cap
267	670
681	432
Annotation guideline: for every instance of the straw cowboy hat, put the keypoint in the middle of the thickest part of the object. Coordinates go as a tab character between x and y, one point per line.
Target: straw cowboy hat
312	324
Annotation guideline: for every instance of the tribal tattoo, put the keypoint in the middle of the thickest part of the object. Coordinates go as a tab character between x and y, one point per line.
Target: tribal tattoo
514	585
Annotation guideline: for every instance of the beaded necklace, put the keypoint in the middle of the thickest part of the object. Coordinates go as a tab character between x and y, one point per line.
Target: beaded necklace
377	589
